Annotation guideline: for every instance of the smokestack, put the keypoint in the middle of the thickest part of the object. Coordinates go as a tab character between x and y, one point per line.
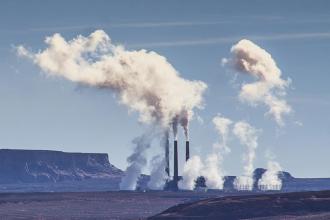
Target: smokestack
176	175
167	156
187	150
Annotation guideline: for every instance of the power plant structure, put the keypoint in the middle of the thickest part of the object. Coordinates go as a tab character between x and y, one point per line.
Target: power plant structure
167	156
173	184
175	162
187	150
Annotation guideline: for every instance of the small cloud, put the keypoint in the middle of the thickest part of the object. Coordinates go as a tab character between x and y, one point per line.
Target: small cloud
224	61
269	154
199	119
299	123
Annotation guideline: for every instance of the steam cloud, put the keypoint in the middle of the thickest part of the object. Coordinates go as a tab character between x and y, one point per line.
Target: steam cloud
248	136
158	175
211	169
143	80
269	88
214	173
136	162
191	171
222	126
270	179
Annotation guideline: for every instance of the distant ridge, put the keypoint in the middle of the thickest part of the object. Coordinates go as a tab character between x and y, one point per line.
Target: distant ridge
36	166
50	171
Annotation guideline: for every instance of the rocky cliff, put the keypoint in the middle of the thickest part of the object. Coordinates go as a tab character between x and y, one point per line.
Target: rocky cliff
35	166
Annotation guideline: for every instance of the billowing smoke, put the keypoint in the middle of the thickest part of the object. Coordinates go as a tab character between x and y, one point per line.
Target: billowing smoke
158	174
244	182
158	167
136	163
270	179
184	121
181	119
248	136
212	171
222	126
191	170
270	88
143	80
211	168
175	122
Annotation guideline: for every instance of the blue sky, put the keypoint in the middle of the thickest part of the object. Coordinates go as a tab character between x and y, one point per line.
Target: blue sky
38	112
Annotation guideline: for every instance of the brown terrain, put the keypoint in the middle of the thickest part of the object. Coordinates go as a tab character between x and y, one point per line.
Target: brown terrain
91	205
298	205
185	205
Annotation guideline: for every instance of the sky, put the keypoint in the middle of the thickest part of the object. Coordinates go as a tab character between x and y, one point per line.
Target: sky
41	112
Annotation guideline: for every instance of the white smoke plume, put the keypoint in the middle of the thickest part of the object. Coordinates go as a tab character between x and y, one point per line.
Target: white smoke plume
191	171
158	176
136	163
211	168
270	179
222	125
270	88
184	121
212	171
143	80
175	122
248	136
244	183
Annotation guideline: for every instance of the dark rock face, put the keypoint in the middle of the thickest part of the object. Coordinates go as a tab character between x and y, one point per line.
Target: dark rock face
35	166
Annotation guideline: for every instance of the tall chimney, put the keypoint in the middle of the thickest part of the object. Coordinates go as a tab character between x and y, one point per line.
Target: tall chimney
167	155
187	150
176	175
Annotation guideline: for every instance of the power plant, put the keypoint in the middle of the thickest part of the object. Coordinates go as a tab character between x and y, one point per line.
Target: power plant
187	150
172	184
176	165
167	155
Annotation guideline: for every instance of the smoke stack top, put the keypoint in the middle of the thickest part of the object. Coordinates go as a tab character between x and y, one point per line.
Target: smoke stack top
184	121
175	127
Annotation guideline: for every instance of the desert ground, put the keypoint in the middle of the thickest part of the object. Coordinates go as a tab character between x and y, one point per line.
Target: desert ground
165	205
92	205
278	206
